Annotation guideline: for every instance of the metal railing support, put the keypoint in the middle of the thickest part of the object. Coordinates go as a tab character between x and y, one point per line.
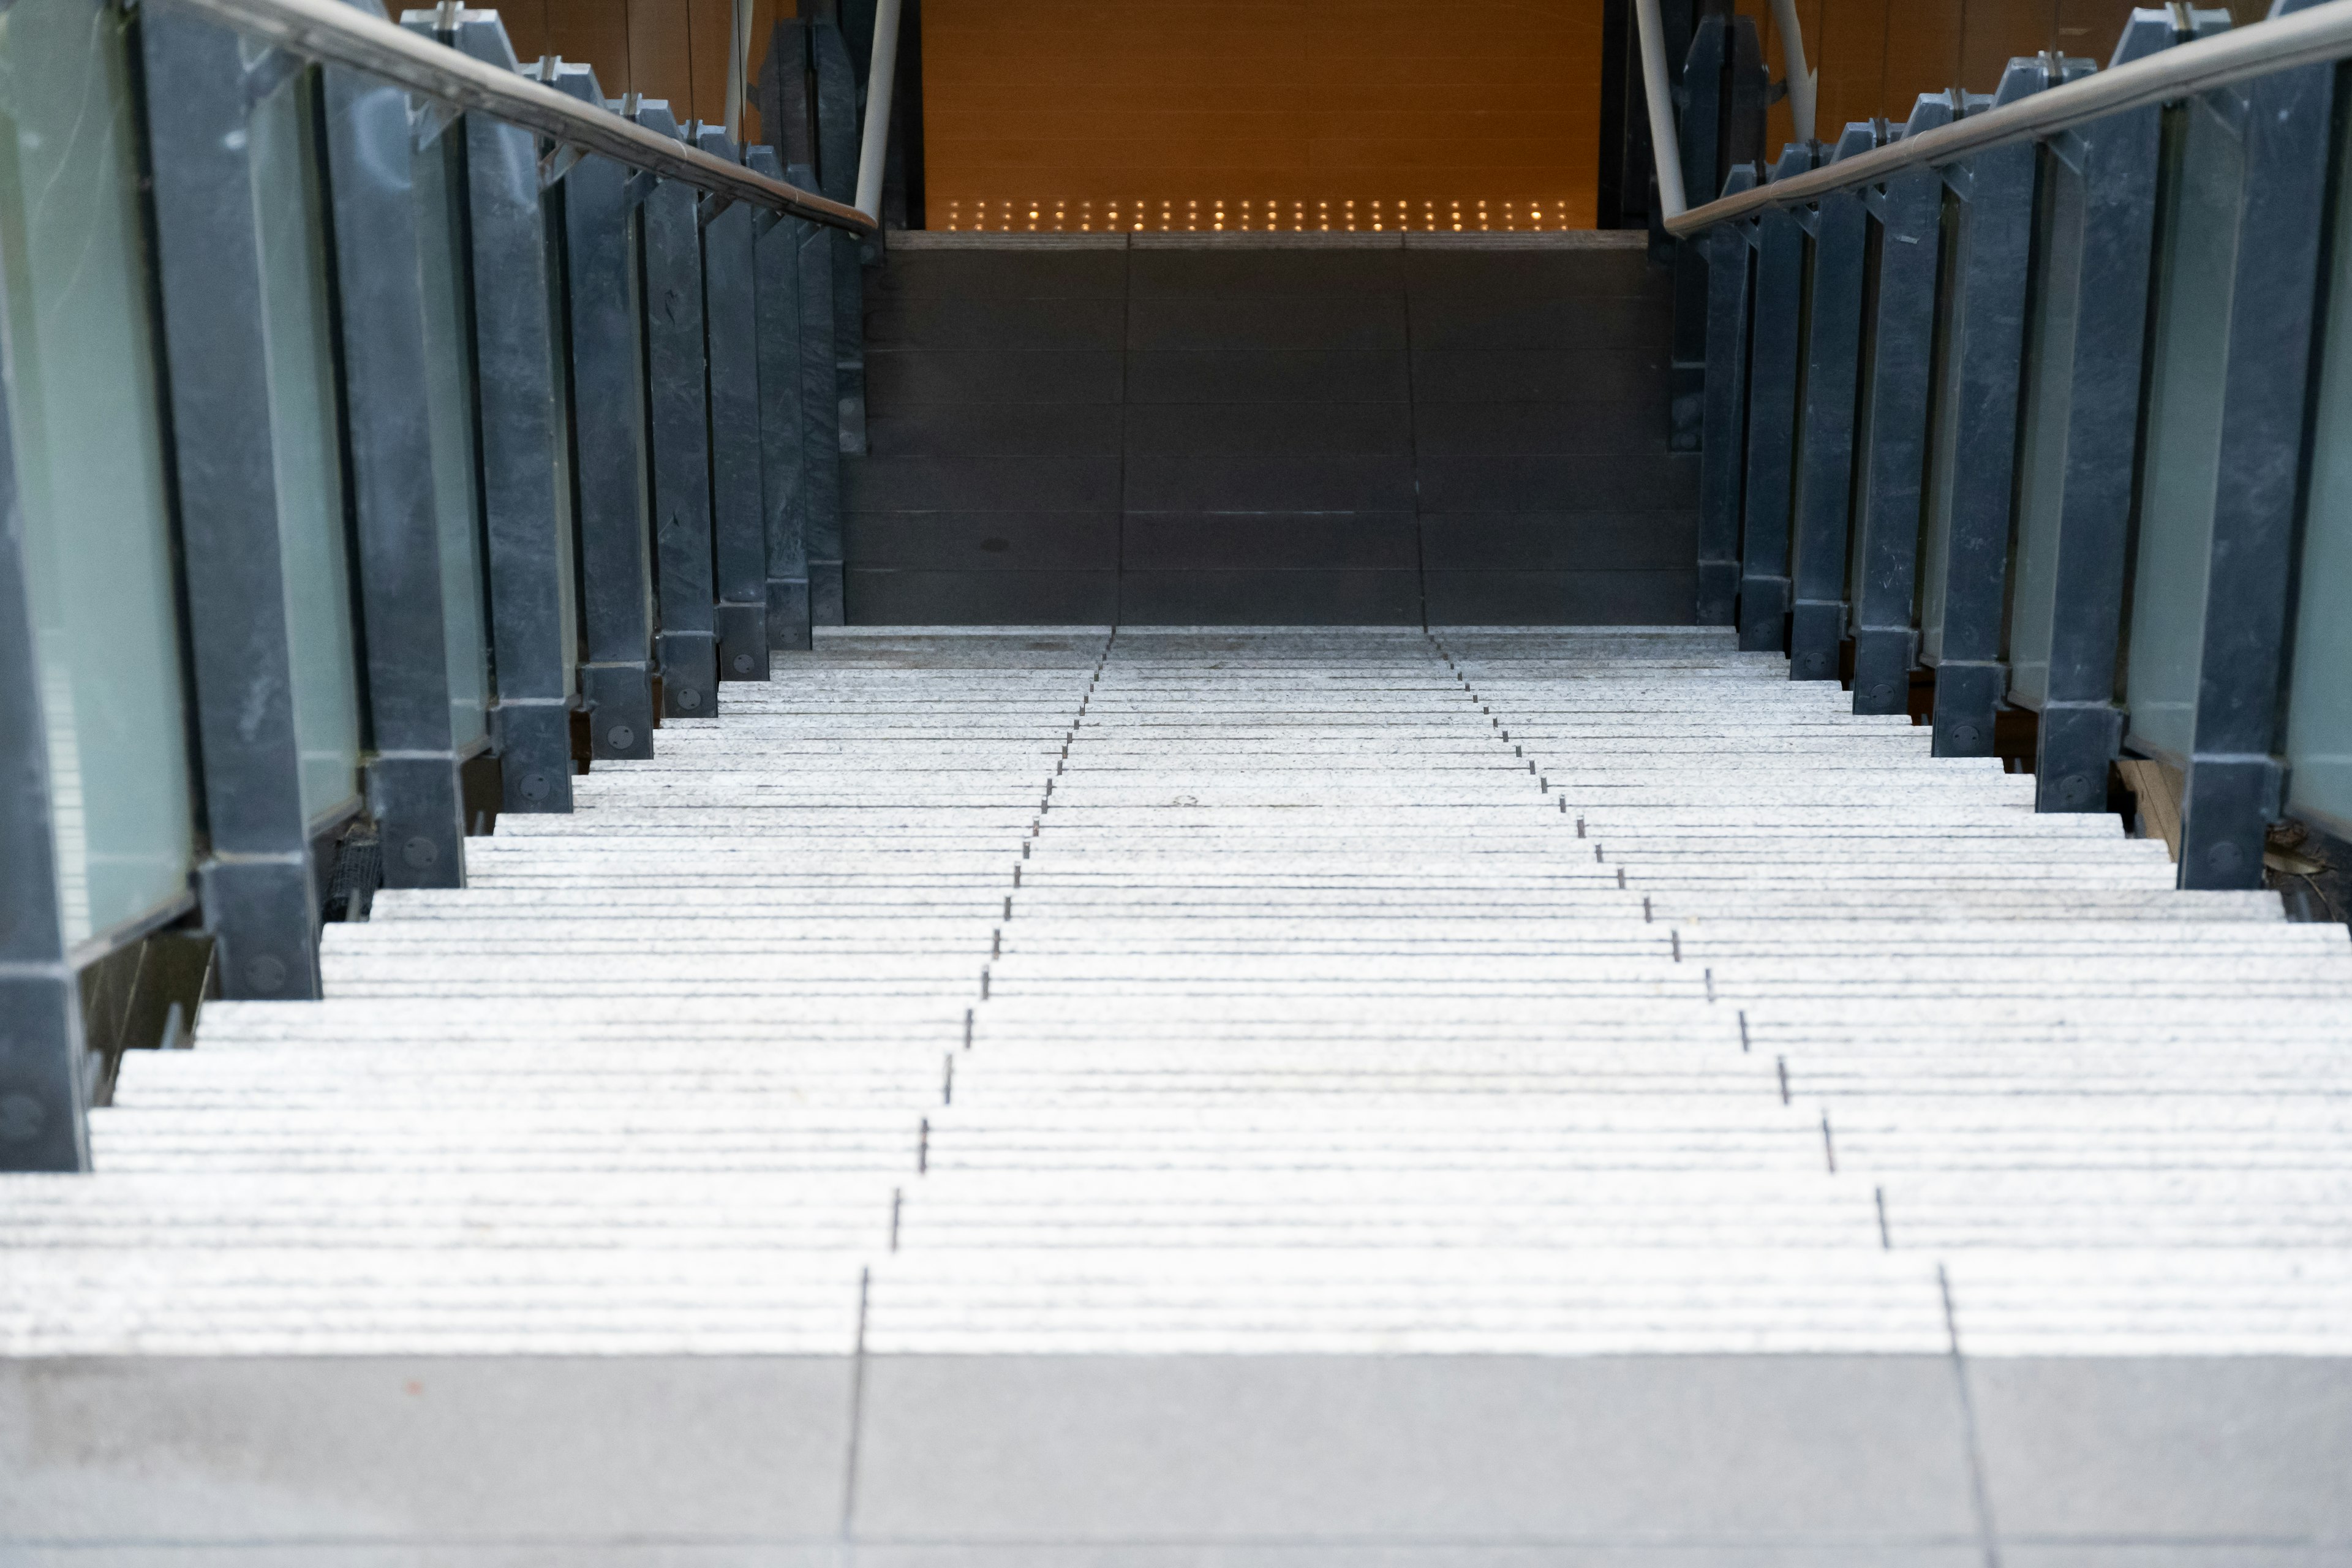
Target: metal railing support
1774	355
784	425
821	262
836	164
1824	490
1908	214
731	332
257	884
2091	332
609	500
413	788
1973	457
2279	124
518	400
677	424
1691	166
1722	456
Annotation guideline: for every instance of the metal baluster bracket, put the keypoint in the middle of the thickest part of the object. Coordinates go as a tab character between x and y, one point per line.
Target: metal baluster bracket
257	883
669	257
609	500
519	434
1891	447
1841	230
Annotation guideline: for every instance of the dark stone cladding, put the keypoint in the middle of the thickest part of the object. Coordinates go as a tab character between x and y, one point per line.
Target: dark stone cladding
1191	429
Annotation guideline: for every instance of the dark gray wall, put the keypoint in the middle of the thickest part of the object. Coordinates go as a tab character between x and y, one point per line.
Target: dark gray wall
1268	428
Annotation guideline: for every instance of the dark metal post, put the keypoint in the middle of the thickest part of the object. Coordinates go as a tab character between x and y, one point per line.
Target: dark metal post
1893	444
1748	97
257	884
1722	461
732	338
1824	498
902	177
1977	463
1774	363
819	490
609	501
784	428
837	117
526	492
2282	122
1617	200
413	787
783	94
669	254
43	1057
2100	198
1692	387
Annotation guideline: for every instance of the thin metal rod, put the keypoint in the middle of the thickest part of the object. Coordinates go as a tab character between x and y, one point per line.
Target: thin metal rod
1664	144
739	67
343	34
2314	37
1802	83
883	71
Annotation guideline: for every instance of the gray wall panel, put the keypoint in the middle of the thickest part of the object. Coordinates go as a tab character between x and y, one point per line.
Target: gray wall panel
1233	432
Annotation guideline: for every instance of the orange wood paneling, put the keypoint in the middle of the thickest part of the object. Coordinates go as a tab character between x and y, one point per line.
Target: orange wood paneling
661	60
707	22
1296	108
673	49
526	24
594	33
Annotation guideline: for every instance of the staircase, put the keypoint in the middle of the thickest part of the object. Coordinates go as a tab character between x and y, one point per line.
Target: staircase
1236	1096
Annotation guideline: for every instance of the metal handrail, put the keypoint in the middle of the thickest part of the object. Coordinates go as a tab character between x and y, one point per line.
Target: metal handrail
2316	37
1665	143
337	33
881	75
1804	83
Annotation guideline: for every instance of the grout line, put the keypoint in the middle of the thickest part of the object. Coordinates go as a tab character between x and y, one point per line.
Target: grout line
857	1400
1979	1491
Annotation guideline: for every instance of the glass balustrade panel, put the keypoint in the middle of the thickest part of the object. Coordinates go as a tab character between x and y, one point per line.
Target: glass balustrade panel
84	417
1943	434
449	381
2197	243
289	214
2041	441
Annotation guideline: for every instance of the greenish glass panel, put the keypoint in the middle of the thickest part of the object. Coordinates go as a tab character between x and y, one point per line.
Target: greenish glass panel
89	444
1943	435
2195	268
2041	441
2319	707
449	390
290	209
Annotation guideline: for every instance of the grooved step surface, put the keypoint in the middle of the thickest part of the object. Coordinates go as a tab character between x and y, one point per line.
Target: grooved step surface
988	1024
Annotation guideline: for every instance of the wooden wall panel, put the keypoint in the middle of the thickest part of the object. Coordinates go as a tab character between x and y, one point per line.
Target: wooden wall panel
526	22
1296	108
594	33
707	22
661	60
